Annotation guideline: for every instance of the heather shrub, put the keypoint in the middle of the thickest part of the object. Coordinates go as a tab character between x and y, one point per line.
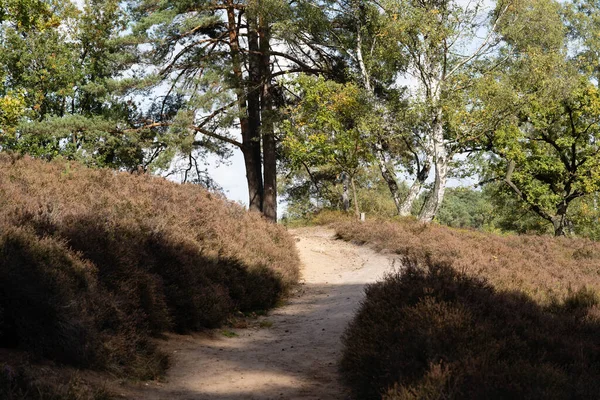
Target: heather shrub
435	333
23	381
486	317
546	268
122	258
53	307
47	294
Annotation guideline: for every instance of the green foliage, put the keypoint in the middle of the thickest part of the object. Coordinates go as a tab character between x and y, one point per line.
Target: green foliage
26	13
311	196
58	96
70	77
551	146
585	214
512	215
324	137
324	127
465	208
539	117
583	24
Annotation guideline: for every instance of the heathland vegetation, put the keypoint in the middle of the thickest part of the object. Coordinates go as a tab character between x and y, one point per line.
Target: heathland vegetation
96	263
357	106
475	315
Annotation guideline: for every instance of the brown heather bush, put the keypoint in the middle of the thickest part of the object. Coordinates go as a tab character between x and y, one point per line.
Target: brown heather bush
21	380
544	267
94	262
476	316
436	333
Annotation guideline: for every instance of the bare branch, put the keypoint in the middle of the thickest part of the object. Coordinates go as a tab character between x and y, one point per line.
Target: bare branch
483	45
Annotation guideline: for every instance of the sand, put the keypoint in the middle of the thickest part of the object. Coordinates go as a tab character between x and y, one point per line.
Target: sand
291	353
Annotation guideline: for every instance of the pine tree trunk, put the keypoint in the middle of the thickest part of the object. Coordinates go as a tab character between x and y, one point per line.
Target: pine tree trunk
253	178
440	159
267	130
254	115
248	126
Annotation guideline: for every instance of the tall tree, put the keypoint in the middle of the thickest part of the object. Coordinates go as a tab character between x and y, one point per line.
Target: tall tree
219	55
358	31
582	19
543	118
58	69
324	131
440	39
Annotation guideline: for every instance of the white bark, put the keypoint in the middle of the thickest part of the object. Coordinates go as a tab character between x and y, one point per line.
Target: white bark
415	189
388	176
434	70
361	61
441	160
346	192
404	207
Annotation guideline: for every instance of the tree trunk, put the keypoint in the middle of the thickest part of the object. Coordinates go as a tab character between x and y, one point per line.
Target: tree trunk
559	228
414	190
440	159
388	176
267	130
356	208
253	178
345	194
560	221
249	129
403	207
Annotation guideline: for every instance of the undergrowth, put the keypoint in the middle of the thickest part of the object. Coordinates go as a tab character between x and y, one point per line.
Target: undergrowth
95	263
544	267
475	316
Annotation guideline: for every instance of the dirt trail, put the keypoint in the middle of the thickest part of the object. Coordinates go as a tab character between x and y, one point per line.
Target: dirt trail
294	358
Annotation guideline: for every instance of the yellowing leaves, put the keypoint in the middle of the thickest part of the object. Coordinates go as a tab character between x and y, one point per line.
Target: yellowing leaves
12	108
323	128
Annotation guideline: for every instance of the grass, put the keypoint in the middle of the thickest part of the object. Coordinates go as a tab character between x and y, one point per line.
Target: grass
323	217
475	316
94	264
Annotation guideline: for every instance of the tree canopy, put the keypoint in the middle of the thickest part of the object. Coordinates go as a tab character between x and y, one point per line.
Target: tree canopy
322	94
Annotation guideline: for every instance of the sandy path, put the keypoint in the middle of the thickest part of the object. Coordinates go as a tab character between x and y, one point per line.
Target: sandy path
294	358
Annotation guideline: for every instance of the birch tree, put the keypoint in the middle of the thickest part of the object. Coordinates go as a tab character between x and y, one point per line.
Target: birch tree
359	33
324	131
445	41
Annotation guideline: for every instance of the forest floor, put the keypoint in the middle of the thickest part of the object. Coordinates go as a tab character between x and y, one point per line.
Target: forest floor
290	353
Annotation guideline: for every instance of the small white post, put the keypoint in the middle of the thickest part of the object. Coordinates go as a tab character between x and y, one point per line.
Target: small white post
363	216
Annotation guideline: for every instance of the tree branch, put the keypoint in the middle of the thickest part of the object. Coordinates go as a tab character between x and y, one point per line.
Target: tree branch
536	208
486	41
